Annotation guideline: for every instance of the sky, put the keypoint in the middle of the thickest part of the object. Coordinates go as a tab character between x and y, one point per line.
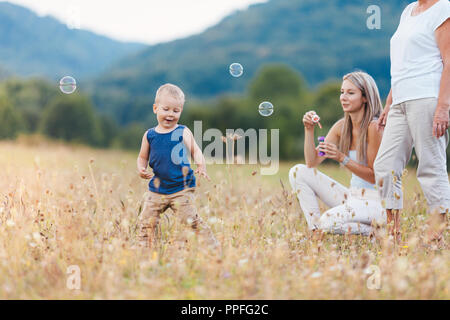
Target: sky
145	21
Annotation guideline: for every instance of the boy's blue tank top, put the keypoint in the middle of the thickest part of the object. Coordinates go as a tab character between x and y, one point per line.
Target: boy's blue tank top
168	156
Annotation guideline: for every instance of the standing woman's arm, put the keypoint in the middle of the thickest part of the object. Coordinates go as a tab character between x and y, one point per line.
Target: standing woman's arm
381	123
441	115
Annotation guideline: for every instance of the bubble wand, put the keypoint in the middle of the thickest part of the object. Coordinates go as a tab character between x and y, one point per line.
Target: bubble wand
316	119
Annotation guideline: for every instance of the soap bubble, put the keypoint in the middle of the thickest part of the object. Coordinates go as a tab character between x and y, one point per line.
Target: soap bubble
236	70
265	108
68	85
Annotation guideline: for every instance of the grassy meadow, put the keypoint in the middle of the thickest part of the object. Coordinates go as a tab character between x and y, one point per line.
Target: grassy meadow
62	206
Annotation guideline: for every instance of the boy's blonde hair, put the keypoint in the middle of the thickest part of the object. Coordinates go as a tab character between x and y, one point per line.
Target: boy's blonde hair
172	90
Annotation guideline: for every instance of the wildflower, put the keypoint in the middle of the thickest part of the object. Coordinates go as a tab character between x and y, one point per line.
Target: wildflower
213	220
36	236
242	262
10	223
154	255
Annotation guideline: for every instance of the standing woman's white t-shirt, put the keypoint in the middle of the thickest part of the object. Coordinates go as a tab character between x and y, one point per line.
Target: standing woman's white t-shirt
416	62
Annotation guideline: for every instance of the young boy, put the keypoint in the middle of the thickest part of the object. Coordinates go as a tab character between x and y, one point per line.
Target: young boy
165	148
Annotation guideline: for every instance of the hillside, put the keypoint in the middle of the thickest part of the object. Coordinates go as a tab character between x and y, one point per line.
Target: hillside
33	45
321	40
4	73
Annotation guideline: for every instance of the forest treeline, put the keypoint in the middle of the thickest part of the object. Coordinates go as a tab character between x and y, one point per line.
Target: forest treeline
38	106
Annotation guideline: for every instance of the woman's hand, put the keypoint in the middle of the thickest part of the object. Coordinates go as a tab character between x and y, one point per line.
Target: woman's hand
307	120
331	151
381	123
440	122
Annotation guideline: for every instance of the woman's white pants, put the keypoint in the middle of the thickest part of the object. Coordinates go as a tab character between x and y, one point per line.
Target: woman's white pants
352	210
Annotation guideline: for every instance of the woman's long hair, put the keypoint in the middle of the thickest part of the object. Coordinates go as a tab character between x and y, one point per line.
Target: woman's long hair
372	110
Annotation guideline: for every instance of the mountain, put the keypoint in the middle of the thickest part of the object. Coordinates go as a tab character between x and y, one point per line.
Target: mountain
4	73
320	39
31	45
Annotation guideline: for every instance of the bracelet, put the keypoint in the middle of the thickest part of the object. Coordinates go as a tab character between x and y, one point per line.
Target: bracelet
345	161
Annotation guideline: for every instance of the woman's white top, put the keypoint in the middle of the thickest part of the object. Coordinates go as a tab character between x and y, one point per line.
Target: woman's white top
357	182
416	62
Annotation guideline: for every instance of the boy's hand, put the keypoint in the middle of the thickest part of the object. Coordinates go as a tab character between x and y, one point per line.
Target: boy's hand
144	174
202	172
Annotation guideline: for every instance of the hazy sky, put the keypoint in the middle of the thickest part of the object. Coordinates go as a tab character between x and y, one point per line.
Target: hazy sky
147	21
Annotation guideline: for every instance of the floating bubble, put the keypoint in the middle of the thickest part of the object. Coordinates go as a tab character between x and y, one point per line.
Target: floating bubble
265	108
236	70
68	85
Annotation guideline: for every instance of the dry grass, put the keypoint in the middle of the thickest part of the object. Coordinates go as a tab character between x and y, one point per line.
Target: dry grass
64	206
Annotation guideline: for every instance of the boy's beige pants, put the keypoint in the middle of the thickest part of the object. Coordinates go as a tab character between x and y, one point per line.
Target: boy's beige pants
409	124
182	204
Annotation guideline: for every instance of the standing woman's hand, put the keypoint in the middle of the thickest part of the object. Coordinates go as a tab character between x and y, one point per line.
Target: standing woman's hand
440	122
381	123
307	120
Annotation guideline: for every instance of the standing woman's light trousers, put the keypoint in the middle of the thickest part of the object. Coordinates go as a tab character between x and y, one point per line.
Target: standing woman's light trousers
352	210
410	124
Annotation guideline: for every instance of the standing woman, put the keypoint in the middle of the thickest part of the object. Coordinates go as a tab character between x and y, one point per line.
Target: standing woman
417	109
353	141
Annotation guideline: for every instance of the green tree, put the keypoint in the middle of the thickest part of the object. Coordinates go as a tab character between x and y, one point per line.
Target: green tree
108	130
11	121
130	137
71	118
30	97
327	104
277	83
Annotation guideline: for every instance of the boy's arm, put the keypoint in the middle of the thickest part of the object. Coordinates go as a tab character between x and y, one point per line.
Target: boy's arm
142	159
195	153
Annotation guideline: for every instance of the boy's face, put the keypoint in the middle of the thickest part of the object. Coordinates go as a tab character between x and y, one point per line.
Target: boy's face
168	111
